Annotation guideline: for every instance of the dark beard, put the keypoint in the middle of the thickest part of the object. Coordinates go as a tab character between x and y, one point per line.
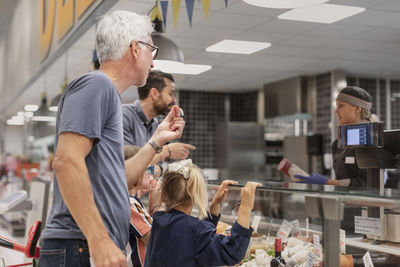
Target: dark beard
162	109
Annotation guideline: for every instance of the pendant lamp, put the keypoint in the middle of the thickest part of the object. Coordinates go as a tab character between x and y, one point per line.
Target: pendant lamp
168	50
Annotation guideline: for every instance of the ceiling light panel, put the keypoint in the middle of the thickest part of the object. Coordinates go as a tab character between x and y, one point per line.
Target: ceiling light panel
176	67
325	13
284	3
237	47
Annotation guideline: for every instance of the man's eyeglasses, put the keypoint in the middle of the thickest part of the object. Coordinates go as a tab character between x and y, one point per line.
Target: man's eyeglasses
150	170
153	48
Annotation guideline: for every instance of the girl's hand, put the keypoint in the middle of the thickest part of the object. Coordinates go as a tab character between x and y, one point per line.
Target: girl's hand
222	192
248	195
220	196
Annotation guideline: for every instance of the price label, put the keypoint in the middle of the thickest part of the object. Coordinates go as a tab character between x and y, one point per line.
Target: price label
256	222
342	241
367	225
310	259
284	229
296	227
307	226
367	260
317	244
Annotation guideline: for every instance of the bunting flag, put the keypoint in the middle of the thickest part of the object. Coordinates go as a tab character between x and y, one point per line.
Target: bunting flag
206	6
175	10
164	8
156	13
226	3
189	8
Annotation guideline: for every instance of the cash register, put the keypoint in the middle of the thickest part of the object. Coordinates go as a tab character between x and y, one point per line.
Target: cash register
375	150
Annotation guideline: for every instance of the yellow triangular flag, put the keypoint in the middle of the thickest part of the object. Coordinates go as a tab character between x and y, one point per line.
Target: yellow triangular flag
176	4
206	5
156	13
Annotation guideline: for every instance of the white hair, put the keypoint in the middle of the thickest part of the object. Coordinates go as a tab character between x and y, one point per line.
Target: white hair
115	32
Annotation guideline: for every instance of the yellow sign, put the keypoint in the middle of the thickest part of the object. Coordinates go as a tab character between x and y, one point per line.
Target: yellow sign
62	13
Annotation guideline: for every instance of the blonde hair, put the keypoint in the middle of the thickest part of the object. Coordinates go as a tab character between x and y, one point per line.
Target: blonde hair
179	191
366	115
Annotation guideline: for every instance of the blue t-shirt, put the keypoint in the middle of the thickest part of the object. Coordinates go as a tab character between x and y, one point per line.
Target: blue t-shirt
137	130
178	239
91	106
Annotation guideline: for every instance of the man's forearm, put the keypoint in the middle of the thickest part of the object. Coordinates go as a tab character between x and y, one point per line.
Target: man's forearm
74	183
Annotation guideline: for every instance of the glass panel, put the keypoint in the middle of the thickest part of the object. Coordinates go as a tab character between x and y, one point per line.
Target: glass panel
392	194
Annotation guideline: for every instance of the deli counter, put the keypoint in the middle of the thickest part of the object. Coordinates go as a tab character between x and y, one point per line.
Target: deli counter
319	225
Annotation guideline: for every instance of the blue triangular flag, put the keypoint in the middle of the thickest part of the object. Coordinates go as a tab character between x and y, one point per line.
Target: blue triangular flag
189	8
226	3
164	8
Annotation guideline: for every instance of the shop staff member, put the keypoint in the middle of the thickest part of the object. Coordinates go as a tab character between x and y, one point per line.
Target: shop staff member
353	105
90	212
156	97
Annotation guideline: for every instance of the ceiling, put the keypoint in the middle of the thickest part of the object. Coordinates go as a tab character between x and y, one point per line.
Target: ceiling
367	44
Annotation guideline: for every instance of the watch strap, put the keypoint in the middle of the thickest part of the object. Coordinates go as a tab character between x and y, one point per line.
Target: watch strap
154	145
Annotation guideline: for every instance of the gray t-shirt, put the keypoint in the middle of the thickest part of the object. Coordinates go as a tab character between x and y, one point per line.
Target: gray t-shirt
137	130
91	106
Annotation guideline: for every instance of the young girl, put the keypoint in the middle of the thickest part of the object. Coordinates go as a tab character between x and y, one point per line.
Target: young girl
178	239
140	224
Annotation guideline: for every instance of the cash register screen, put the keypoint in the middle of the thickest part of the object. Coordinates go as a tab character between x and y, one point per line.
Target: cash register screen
363	134
357	136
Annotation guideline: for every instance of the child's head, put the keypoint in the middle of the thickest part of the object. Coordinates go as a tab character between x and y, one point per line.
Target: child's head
183	185
143	184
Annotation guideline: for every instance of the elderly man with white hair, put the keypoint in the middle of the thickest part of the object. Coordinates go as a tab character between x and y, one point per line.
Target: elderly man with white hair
90	215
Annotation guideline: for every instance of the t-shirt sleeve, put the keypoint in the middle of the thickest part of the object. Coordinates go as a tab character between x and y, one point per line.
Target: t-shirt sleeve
85	106
140	221
128	124
215	250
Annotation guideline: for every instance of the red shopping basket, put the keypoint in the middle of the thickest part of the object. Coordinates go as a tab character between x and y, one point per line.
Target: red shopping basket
30	249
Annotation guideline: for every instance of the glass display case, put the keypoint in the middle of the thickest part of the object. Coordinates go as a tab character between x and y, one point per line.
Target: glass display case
319	225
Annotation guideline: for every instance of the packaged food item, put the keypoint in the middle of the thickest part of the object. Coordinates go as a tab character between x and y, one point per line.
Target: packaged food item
290	169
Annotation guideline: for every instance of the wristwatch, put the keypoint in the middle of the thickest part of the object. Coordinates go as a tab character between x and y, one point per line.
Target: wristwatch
154	145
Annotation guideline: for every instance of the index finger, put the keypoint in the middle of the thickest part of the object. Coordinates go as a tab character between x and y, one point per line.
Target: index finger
225	183
189	146
253	185
301	176
173	113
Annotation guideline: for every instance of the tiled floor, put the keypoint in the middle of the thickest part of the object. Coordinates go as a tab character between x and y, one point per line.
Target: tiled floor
11	256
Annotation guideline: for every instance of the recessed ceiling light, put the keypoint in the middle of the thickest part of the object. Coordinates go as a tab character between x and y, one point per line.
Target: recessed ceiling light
237	47
44	118
53	108
31	107
326	13
14	122
284	3
180	68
